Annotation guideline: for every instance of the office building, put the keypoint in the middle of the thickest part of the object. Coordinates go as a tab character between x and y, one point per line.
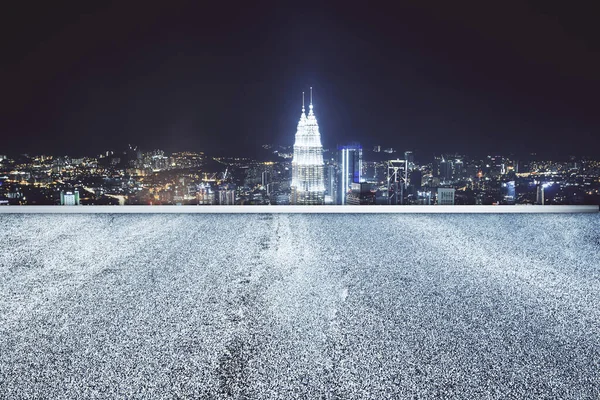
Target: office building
424	198
308	181
415	179
332	189
445	170
410	160
360	194
69	198
226	195
445	196
265	178
205	195
508	192
350	159
540	194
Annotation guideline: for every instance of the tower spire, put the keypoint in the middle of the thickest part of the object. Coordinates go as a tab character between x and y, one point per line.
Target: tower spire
308	180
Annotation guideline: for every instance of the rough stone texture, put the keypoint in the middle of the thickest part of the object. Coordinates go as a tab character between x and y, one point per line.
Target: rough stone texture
300	306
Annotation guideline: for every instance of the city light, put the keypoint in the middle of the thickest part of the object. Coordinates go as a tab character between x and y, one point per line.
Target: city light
308	184
347	174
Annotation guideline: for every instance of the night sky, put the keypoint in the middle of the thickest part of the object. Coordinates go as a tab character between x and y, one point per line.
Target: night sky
225	78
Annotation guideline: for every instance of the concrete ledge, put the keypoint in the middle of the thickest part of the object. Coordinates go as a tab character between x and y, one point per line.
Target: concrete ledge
132	209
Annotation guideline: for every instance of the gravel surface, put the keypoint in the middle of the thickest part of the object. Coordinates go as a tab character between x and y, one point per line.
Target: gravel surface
300	306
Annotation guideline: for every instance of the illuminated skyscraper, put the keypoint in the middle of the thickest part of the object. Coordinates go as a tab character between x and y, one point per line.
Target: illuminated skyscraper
308	181
350	169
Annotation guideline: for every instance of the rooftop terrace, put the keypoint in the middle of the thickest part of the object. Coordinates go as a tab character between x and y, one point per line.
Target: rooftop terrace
298	305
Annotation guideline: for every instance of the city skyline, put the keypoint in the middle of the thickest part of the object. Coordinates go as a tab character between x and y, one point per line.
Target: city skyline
302	174
394	132
350	175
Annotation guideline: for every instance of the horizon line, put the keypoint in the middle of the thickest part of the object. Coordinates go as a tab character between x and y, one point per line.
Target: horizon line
301	209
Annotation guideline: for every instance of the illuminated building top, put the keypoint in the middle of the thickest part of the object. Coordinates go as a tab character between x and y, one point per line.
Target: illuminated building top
308	183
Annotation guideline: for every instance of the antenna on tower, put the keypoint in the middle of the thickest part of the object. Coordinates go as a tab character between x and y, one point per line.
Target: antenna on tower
311	96
302	101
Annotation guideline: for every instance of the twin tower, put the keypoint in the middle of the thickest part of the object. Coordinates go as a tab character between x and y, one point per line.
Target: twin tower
308	181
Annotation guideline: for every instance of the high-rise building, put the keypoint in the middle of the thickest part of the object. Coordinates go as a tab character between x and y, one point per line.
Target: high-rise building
226	195
360	194
350	170
205	195
415	179
424	198
540	194
410	160
308	181
445	170
508	192
332	189
69	198
265	178
445	196
436	166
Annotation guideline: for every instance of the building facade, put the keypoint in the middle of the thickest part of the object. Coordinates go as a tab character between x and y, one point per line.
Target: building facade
69	198
361	194
226	195
308	180
509	192
445	196
350	170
